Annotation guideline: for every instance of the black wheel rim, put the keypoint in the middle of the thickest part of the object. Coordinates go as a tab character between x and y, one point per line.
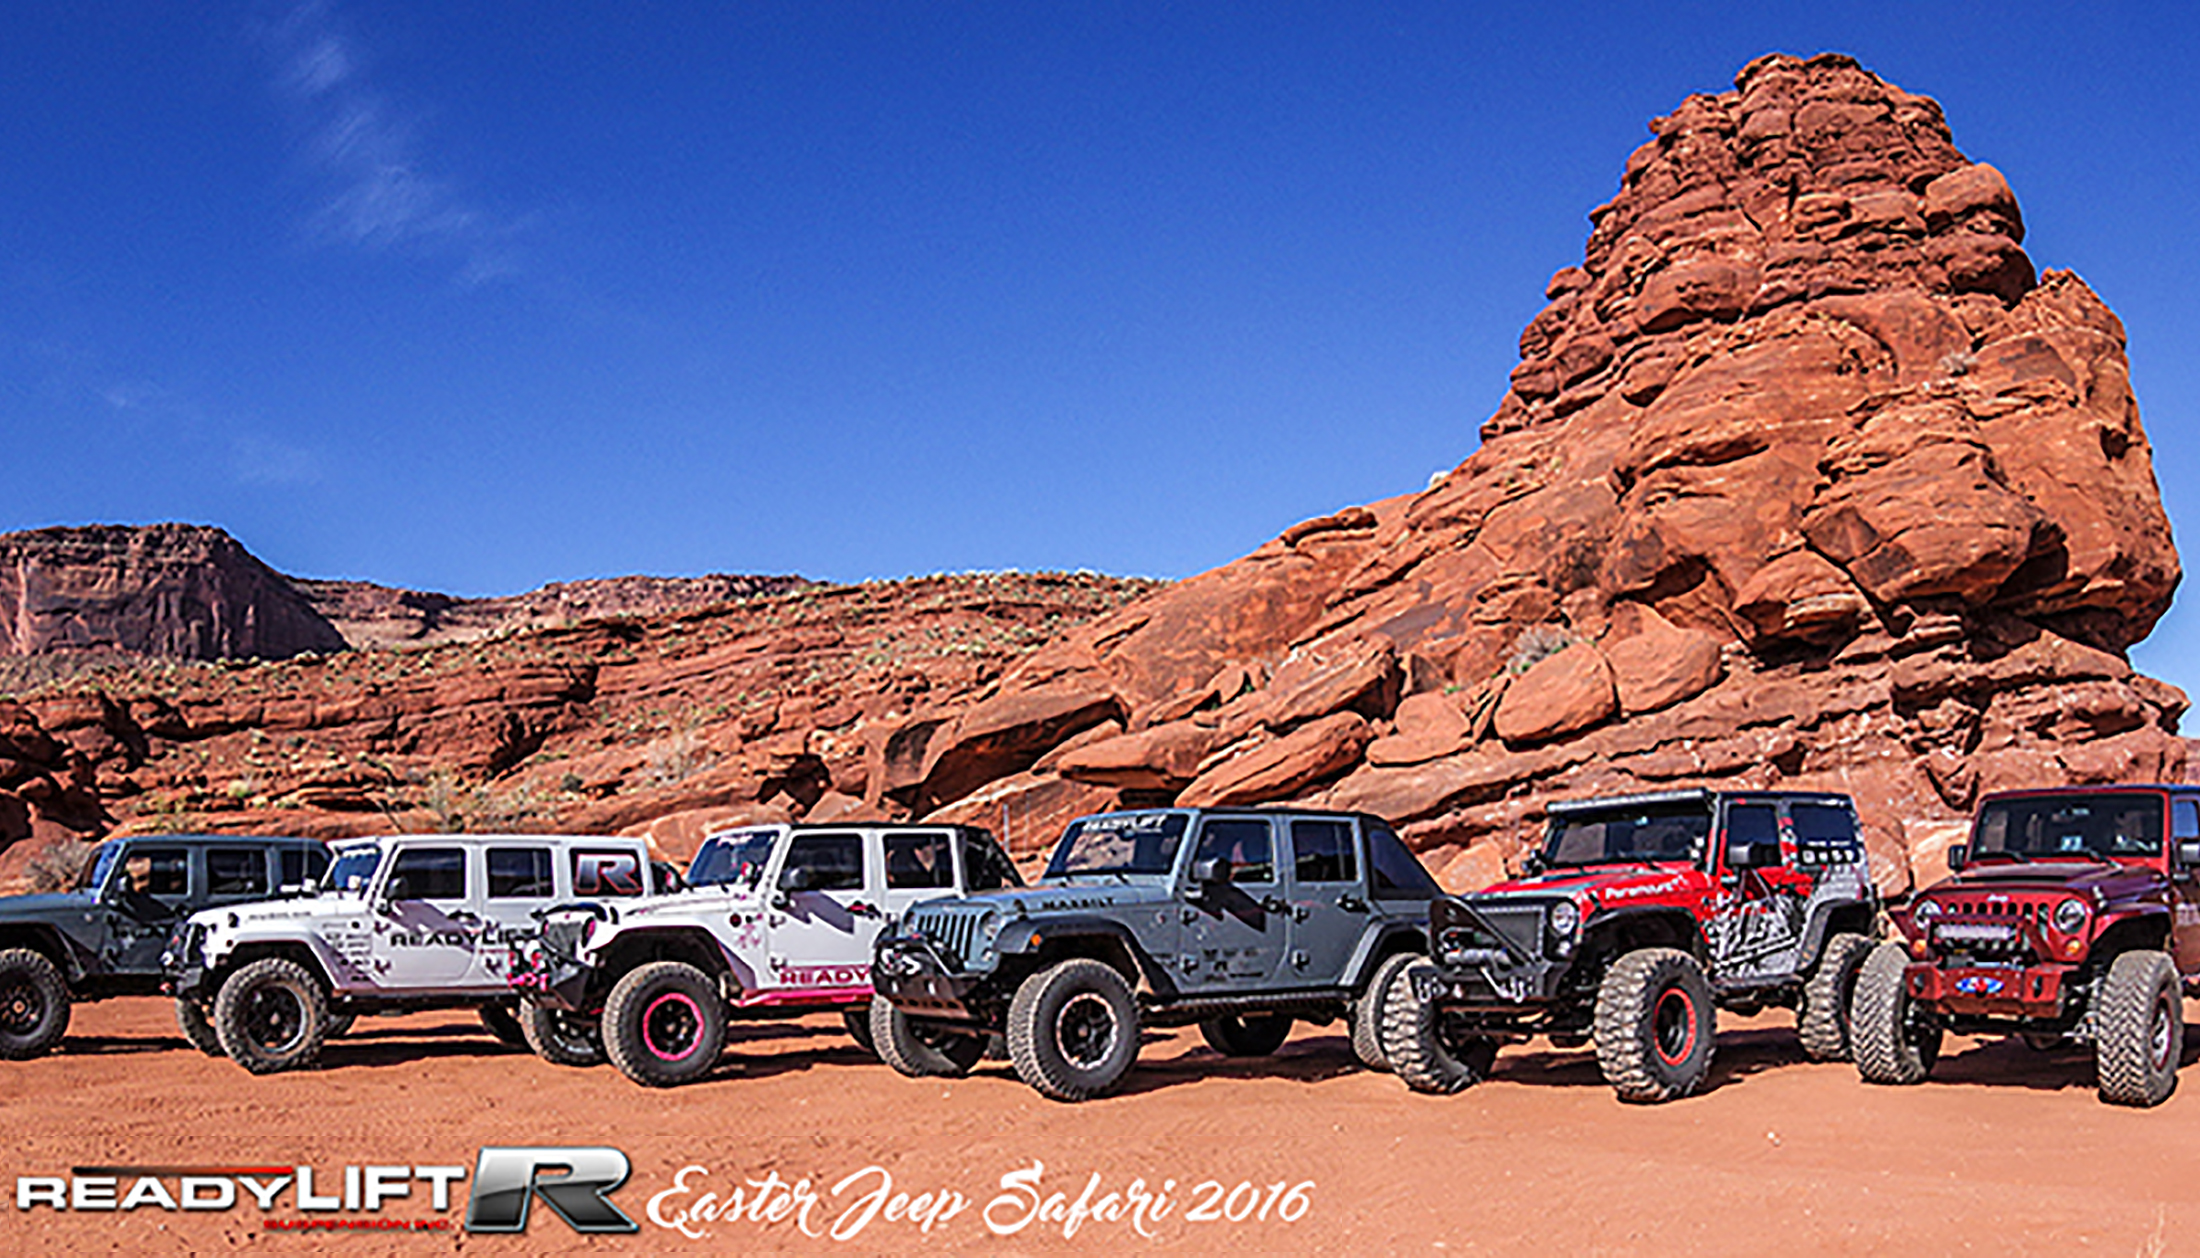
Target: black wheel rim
1673	1026
1086	1030
672	1026
275	1019
22	1007
571	1032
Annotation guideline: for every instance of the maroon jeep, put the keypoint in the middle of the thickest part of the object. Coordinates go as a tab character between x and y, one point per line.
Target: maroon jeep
2073	916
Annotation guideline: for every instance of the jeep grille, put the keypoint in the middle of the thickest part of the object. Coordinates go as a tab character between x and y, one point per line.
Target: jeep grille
950	932
1519	923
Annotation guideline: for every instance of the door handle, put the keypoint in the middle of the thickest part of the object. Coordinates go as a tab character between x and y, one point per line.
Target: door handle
1274	903
1351	903
860	909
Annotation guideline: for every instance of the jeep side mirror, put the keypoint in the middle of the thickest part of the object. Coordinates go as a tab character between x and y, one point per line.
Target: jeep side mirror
797	878
2188	855
1752	855
1959	855
1210	871
1533	864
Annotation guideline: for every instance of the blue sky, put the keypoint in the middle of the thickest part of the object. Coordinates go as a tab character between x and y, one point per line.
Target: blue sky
472	296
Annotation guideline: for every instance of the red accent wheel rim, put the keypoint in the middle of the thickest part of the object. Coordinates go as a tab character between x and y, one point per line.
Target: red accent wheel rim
1673	1026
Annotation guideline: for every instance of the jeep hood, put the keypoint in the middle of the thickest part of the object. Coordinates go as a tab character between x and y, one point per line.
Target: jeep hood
1601	883
308	908
715	898
1064	897
47	904
2109	882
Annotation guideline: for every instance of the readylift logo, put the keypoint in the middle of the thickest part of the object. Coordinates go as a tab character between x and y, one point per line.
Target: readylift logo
576	1183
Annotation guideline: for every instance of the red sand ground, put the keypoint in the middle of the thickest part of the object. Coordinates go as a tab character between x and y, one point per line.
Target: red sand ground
2004	1151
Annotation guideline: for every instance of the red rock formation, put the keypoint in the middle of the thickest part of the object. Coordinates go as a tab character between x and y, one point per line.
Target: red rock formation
177	590
369	615
1803	480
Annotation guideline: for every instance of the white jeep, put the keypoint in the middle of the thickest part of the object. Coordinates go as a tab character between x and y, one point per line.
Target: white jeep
399	923
778	920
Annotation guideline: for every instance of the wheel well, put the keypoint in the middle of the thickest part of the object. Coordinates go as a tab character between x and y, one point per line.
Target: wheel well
1853	919
639	948
2149	932
246	954
1106	949
40	939
1627	932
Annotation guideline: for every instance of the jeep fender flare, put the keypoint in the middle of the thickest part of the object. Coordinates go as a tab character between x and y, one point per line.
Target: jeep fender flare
625	947
1647	926
72	959
2124	930
303	953
1385	940
1042	936
1820	927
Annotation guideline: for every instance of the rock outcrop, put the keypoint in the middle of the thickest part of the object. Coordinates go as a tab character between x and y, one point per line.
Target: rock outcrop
1804	479
369	615
180	591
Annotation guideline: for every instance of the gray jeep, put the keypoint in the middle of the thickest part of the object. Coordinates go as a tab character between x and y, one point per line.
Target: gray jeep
104	936
1241	920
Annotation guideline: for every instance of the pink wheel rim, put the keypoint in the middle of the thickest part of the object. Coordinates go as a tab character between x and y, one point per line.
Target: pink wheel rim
683	1014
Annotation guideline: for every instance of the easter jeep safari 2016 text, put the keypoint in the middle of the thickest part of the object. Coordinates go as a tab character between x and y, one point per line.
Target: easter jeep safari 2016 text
399	923
2073	917
1241	920
778	921
104	937
1640	916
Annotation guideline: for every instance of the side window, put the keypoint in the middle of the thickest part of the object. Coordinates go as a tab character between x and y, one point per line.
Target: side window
520	873
1393	872
157	871
1322	851
608	872
301	863
1244	842
986	867
835	861
920	860
1823	823
1758	826
2184	820
234	871
428	873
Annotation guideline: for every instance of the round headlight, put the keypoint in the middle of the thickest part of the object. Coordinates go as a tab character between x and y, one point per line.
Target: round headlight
991	929
2070	916
1925	912
1564	918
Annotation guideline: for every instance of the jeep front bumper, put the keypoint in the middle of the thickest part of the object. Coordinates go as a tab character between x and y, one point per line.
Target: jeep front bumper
908	974
192	982
1497	982
1993	991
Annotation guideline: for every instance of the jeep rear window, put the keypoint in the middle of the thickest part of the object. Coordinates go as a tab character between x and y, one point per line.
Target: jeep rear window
1394	872
1119	843
236	871
1655	832
520	873
1321	851
919	860
2099	824
835	860
607	872
429	873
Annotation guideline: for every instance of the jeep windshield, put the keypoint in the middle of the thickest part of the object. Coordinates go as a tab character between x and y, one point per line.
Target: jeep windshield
2092	826
353	870
95	874
1641	834
735	857
1119	844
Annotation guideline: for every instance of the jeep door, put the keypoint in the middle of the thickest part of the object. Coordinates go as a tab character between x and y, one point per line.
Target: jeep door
149	888
821	932
428	919
1330	913
2184	828
1756	926
518	879
1235	931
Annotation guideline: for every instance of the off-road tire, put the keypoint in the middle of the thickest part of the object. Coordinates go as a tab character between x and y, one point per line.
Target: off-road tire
561	1038
1656	1027
857	1018
1073	1030
1415	1045
34	1004
198	1027
1893	1040
920	1048
2142	1030
502	1021
664	1024
1823	1021
1367	1011
1246	1035
272	1016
